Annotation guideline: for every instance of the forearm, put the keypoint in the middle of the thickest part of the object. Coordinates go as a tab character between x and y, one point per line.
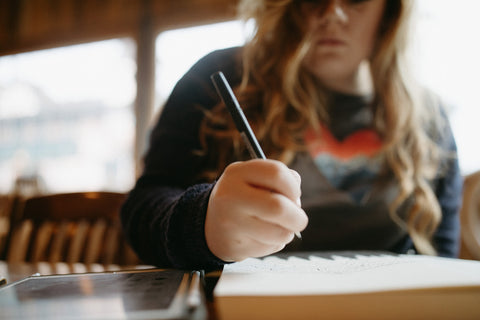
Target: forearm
164	215
165	225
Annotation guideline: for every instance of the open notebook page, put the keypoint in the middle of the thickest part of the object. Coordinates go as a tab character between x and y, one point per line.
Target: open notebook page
337	273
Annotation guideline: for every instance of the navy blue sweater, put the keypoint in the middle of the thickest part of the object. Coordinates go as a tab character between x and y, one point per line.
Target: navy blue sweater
164	215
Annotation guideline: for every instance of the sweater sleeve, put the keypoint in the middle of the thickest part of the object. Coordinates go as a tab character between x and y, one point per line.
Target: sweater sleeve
164	215
449	194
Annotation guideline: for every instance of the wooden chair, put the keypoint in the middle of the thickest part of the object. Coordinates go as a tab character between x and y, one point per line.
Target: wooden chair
6	207
72	227
470	218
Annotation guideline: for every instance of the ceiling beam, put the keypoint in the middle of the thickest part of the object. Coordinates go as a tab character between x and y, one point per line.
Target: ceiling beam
27	25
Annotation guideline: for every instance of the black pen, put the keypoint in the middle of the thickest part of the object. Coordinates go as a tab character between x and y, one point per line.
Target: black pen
225	92
228	97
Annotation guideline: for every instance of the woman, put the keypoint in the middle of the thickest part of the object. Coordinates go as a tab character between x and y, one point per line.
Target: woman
359	157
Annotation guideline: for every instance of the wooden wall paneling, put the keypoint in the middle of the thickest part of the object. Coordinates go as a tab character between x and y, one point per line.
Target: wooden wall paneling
109	17
27	25
40	24
33	20
6	11
185	13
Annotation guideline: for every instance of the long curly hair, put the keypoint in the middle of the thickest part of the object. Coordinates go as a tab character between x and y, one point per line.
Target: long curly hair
282	99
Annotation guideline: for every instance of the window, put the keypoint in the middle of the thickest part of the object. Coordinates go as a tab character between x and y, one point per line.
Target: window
447	54
66	117
178	50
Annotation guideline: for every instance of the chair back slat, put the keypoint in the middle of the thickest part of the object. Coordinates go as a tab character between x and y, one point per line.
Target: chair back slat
20	240
111	245
59	242
74	227
79	238
43	238
6	206
92	252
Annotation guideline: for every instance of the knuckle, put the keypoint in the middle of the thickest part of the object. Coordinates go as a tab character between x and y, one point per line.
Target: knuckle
232	167
276	204
277	169
286	236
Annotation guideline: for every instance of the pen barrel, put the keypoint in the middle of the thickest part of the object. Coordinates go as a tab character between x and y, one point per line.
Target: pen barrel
255	153
228	97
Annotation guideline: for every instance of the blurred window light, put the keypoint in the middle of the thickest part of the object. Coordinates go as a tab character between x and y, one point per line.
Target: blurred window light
177	50
66	117
446	56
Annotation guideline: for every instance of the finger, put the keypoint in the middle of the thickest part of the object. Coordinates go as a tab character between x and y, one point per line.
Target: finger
274	208
247	237
298	178
250	248
263	231
271	175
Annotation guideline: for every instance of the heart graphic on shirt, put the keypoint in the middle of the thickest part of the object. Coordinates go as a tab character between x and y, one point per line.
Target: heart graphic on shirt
365	142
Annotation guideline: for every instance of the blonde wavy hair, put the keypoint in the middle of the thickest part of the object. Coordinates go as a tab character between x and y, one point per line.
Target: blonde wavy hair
282	99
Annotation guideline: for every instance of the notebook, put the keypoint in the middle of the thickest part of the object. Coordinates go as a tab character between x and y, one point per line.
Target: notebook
138	294
349	285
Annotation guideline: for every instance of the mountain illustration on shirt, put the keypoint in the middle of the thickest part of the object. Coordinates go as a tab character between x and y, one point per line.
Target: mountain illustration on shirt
348	161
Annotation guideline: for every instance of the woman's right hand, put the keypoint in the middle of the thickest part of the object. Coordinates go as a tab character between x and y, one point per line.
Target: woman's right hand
254	210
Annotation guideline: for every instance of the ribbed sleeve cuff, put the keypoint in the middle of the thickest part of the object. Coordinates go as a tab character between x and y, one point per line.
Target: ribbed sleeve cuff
189	248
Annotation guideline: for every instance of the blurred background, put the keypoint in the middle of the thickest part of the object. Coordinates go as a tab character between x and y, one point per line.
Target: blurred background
83	81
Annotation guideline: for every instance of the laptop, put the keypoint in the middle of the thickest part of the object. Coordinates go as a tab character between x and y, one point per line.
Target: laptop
136	294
